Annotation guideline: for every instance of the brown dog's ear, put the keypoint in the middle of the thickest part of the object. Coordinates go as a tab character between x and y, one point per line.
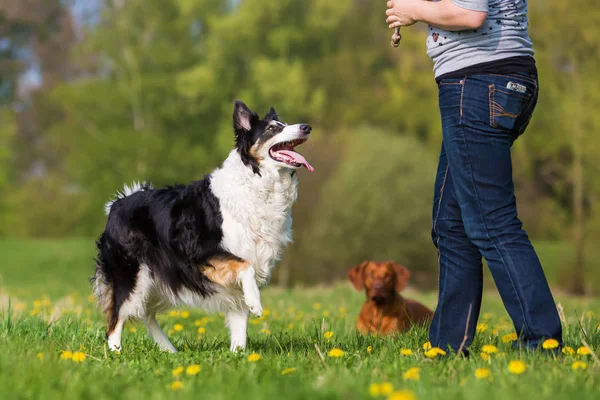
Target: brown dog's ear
356	275
402	276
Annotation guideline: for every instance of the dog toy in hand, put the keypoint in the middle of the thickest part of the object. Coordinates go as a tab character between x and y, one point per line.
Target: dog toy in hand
396	37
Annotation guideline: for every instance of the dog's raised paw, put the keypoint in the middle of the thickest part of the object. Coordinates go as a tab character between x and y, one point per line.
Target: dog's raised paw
254	305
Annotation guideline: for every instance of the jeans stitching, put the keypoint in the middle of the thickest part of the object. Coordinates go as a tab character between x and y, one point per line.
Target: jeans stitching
512	282
514	76
439	207
462	93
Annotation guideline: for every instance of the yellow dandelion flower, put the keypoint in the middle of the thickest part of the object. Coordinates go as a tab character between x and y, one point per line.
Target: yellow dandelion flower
550	344
193	369
288	371
406	352
434	352
578	365
495	331
374	389
489	349
485	356
178	327
266	312
317	306
427	345
198	322
37	304
133	329
254	357
173	313
265	331
583	351
481	328
185	314
483	373
342	310
201	330
326	313
336	353
177	385
40	356
91	298
255	321
46	303
369	349
328	335
66	355
290	327
178	371
568	350
386	388
511	337
516	367
78	357
589	314
412	374
402	395
487	315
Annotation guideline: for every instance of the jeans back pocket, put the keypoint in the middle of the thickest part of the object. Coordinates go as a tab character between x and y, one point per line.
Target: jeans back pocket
507	105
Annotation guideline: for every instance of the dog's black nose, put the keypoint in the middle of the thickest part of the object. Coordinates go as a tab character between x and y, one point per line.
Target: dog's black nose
305	128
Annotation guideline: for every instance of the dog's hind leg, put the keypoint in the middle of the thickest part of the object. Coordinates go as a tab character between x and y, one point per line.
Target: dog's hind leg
158	335
227	269
114	337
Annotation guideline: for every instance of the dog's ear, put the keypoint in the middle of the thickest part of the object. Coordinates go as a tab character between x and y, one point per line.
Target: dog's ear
356	275
402	276
272	115
243	118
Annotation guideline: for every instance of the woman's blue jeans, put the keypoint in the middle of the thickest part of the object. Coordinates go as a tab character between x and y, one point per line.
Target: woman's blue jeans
475	212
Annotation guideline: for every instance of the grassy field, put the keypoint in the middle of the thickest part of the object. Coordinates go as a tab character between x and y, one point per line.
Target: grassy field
46	312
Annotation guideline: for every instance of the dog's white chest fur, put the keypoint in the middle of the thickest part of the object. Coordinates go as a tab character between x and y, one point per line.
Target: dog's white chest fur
256	210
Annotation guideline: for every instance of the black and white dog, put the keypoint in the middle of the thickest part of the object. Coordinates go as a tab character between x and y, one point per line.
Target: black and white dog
210	244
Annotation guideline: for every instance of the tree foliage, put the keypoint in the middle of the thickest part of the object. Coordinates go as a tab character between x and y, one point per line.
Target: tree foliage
145	92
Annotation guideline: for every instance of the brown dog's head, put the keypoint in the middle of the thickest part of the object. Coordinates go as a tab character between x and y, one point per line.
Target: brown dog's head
381	280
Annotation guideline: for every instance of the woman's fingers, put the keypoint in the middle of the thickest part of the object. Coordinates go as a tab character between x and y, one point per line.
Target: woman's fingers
391	19
390	4
395	25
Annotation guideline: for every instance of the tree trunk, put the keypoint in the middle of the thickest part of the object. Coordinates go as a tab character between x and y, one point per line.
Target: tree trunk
578	285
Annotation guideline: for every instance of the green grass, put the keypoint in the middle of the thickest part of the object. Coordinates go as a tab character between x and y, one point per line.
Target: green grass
63	318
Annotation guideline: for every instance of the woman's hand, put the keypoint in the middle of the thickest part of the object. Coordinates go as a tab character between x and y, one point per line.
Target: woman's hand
401	13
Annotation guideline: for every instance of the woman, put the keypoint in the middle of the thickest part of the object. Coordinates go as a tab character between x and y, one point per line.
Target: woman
488	89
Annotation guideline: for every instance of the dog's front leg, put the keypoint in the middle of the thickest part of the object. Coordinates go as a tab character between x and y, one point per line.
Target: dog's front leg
227	269
237	322
251	292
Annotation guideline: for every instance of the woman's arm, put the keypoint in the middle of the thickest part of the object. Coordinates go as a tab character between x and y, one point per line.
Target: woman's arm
443	14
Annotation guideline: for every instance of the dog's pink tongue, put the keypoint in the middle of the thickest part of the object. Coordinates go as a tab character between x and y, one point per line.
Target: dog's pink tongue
297	158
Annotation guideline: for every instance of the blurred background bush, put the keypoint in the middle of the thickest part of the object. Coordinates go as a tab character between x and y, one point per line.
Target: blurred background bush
95	93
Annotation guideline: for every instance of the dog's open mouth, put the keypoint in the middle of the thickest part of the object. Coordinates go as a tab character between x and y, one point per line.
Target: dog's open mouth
284	153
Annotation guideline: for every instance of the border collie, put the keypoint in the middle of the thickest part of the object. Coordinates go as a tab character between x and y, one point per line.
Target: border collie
210	244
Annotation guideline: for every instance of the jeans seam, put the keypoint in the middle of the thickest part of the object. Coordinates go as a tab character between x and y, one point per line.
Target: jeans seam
462	94
492	240
439	207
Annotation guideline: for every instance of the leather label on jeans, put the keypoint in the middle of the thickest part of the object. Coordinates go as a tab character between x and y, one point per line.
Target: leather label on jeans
516	87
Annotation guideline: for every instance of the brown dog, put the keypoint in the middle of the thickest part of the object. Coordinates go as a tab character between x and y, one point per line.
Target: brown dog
385	311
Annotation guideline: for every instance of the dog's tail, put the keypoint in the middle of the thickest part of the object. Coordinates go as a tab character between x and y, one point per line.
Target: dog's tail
104	292
127	190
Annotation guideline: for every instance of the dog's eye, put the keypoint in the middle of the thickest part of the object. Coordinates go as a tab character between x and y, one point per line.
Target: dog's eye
270	128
